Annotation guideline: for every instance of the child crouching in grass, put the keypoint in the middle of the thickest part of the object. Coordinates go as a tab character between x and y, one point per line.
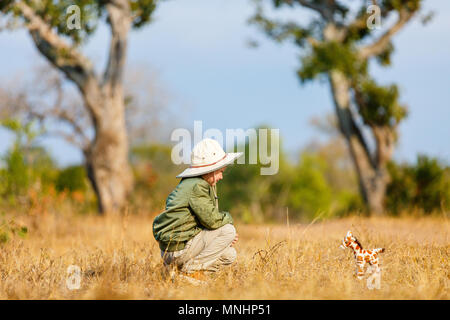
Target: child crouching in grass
193	234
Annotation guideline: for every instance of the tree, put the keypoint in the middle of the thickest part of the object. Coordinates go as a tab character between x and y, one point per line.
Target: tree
424	185
27	165
337	46
103	96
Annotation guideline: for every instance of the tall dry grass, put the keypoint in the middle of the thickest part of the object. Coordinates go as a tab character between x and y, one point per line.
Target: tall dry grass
119	259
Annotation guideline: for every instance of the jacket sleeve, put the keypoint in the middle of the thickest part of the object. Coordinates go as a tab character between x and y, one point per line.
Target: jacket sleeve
205	210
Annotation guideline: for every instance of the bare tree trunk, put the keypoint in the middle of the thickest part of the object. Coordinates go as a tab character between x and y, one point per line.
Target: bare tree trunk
372	173
107	158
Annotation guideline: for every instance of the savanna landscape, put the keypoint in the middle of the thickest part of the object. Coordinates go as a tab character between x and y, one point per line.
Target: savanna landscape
337	106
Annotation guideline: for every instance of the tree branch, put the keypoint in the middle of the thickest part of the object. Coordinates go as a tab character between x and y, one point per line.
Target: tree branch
19	103
323	9
347	123
382	43
64	57
64	116
120	19
70	138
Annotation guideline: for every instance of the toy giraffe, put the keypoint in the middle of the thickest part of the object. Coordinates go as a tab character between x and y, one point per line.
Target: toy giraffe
363	257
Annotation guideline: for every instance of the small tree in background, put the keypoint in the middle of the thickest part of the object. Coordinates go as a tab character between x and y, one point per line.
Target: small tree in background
26	165
18	175
310	192
103	95
424	185
248	194
337	46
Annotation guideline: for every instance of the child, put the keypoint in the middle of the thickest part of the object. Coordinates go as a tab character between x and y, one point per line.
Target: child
193	234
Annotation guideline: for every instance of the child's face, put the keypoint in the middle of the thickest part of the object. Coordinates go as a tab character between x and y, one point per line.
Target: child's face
213	177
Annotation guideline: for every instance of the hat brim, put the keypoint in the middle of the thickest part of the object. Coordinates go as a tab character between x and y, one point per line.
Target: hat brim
193	172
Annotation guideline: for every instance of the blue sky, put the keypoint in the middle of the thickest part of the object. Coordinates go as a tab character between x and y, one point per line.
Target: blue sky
199	49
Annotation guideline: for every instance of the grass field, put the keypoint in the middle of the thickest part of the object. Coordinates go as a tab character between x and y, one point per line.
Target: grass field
119	259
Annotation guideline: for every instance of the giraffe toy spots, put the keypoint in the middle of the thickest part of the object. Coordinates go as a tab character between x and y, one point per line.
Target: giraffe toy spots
364	258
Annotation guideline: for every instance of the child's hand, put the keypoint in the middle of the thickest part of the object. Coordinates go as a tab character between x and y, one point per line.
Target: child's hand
235	239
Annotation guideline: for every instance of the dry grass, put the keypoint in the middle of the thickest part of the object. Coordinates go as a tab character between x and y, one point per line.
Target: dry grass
120	259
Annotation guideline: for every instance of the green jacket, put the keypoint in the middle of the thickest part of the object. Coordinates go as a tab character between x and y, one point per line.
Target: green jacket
190	208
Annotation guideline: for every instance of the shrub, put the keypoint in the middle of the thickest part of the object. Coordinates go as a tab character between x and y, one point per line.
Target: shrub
310	191
16	175
424	185
72	178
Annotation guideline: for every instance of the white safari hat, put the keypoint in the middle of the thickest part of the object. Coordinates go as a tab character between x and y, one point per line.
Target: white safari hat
208	156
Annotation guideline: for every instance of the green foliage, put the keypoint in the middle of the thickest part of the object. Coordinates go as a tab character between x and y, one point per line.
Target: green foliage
347	202
72	179
9	229
280	32
56	15
310	191
317	184
329	56
378	105
246	193
142	11
433	184
337	45
158	154
26	164
321	183
339	12
16	177
341	54
358	29
410	5
242	182
24	169
401	189
24	133
4	4
384	58
307	189
425	185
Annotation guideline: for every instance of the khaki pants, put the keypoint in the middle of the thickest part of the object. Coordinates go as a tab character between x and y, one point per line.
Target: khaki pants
208	250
